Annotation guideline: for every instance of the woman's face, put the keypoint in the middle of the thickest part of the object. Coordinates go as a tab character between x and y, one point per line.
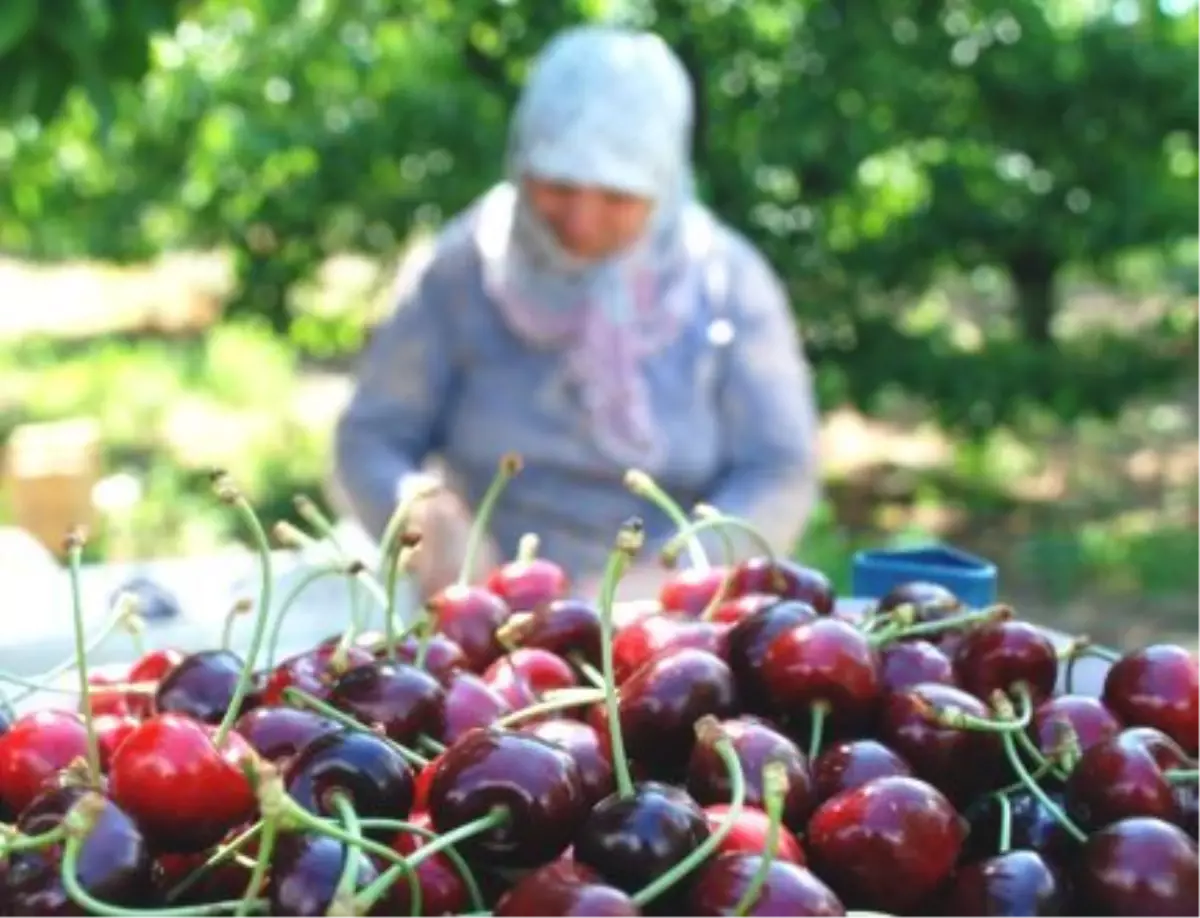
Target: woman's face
590	222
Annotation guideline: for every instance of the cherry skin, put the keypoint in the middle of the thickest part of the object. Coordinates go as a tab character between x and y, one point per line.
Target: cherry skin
732	611
1001	655
521	676
183	792
653	635
469	616
565	888
748	642
312	672
790	889
404	701
111	732
1157	686
908	663
34	750
535	782
937	753
470	703
756	744
1032	828
1089	720
886	845
226	881
584	745
305	870
1123	777
565	627
443	891
661	702
827	662
749	833
785	579
201	686
105	699
422	783
361	766
277	734
692	590
525	585
930	602
1139	866
152	666
1014	883
847	765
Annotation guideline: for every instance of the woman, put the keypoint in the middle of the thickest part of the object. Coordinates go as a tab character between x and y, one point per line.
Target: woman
591	315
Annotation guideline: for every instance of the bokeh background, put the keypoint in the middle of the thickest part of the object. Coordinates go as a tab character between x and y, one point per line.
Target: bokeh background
986	211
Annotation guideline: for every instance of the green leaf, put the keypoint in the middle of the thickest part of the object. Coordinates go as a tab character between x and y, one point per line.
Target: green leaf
17	19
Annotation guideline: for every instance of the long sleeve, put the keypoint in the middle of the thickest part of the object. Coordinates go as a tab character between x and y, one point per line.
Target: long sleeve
393	420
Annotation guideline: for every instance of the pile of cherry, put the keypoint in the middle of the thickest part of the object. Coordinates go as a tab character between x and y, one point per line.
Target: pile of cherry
743	746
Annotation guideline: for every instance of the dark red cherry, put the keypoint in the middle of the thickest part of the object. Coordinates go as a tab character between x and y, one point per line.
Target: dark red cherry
111	731
1139	866
1015	883
1001	655
201	686
567	888
749	833
365	768
469	616
908	663
1157	686
305	870
404	701
152	667
522	675
536	783
34	750
442	656
443	890
732	611
887	845
584	745
566	627
528	584
930	602
1090	722
691	590
313	671
278	733
789	889
847	765
470	703
637	644
1122	777
747	645
785	579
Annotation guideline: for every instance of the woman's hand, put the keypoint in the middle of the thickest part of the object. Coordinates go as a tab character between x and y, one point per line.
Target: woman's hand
444	523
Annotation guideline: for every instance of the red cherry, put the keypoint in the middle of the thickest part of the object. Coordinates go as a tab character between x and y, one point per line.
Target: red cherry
651	636
789	889
34	750
111	731
1138	867
732	611
523	675
567	888
586	747
183	792
565	627
930	602
312	672
784	579
443	891
908	663
748	642
469	616
749	833
421	785
526	585
1090	721
1157	686
690	591
105	700
1122	777
847	765
442	656
1001	655
470	703
152	667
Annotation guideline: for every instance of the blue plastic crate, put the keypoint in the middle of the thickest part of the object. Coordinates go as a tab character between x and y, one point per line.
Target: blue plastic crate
970	578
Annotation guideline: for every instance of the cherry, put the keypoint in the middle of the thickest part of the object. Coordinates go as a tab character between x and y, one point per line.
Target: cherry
847	765
312	671
34	750
405	701
565	627
567	888
422	783
827	668
937	752
749	833
469	616
111	731
1014	883
443	891
201	686
789	889
691	590
748	642
1157	686
1090	722
887	844
522	675
227	880
784	579
361	766
1140	866
732	611
106	700
305	870
153	667
930	602
47	810
527	582
277	734
998	656
908	663
756	744
1032	827
182	791
534	783
661	702
585	745
470	703
442	656
653	635
1123	777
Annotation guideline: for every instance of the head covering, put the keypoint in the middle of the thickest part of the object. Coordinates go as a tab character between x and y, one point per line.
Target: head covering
606	107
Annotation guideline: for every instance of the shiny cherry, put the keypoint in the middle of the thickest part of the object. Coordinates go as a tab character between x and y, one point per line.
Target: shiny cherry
691	590
312	672
305	870
404	701
789	889
1001	655
566	888
566	627
535	782
277	734
443	891
937	753
443	657
886	845
1122	777
1018	882
850	764
105	698
111	731
748	641
1157	686
637	644
1141	866
201	686
1090	722
732	611
785	579
152	667
35	749
470	703
585	746
526	584
362	766
930	602
908	663
183	792
756	744
749	833
469	616
522	675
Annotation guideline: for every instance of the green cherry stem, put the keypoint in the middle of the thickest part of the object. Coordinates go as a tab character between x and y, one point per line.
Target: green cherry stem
706	511
305	700
431	744
509	468
394	534
707	728
75	542
236	611
228	493
629	541
899	629
555	700
1182	775
308	510
262	863
464	869
343	894
16	843
958	719
1004	844
720	522
642	485
366	899
818	712
775	788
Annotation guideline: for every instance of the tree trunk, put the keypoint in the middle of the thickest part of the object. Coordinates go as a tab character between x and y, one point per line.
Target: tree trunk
1033	274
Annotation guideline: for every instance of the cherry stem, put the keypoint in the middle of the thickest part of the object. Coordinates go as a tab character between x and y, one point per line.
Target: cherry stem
366	899
309	578
1004	843
229	494
343	895
74	559
720	522
1181	775
236	611
1078	649
141	688
628	543
304	699
16	842
311	514
220	856
642	485
262	863
431	744
395	540
527	548
702	511
723	746
958	719
510	466
897	630
560	700
588	671
775	788
816	728
356	576
463	868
